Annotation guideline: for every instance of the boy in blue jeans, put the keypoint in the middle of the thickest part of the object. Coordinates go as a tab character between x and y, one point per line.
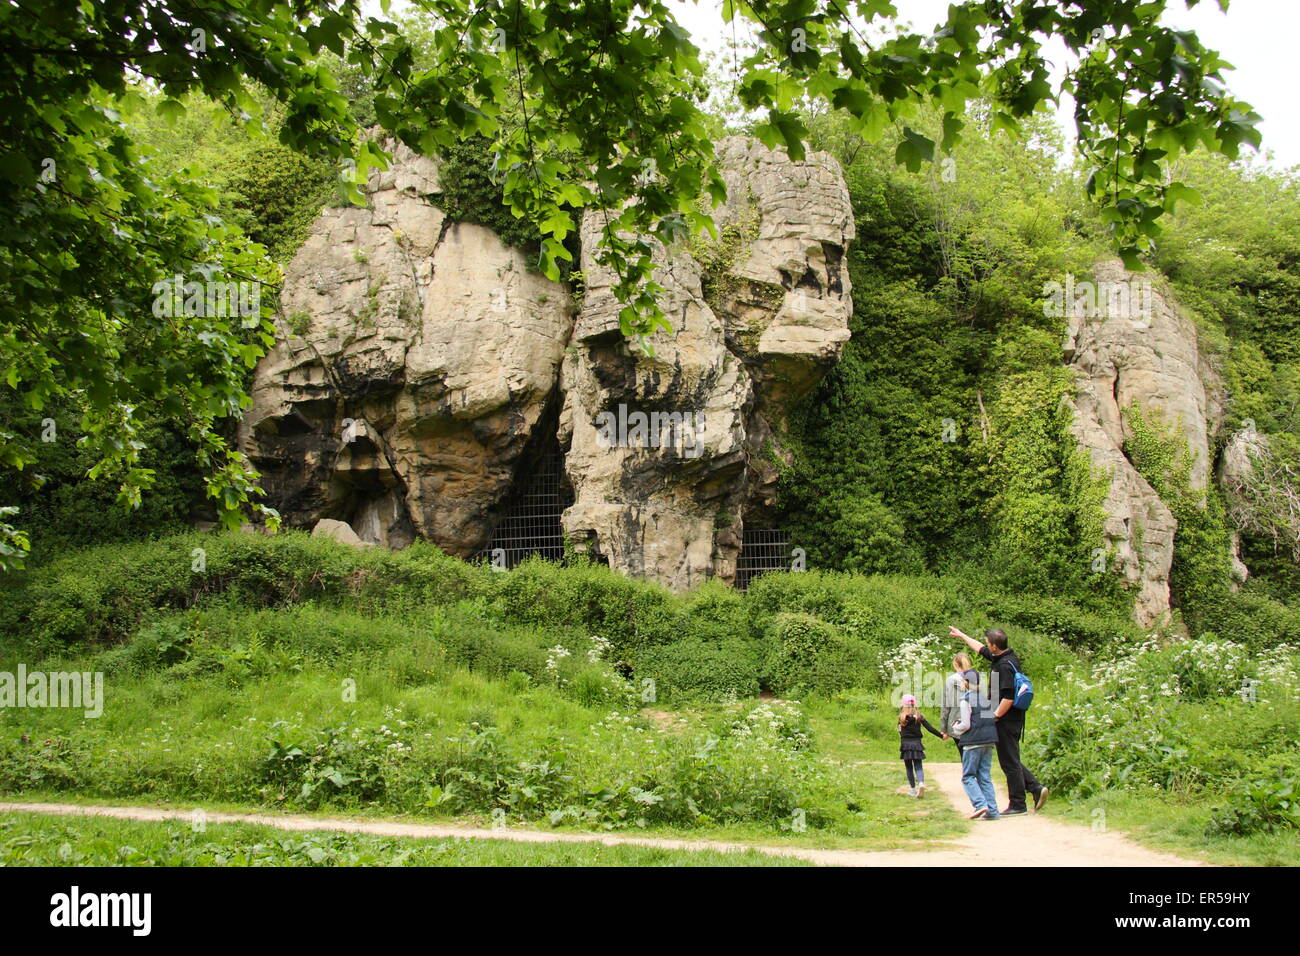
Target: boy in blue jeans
978	735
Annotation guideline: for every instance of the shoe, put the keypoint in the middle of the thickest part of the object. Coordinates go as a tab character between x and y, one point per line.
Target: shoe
1040	799
920	790
913	793
1013	812
991	816
978	813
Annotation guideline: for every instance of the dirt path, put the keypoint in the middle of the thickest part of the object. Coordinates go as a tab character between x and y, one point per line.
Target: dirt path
1027	841
1031	840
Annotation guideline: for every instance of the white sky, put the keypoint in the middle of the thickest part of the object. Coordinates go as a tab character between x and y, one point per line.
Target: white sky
1258	37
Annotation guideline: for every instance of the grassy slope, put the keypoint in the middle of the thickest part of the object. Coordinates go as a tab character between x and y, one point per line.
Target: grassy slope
186	735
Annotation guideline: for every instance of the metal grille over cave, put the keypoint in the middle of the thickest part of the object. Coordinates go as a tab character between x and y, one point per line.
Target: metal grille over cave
532	520
761	550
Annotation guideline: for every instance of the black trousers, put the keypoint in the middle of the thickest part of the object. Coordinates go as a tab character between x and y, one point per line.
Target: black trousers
1019	779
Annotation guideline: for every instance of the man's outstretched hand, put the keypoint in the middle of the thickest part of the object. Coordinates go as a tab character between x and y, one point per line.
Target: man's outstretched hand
973	644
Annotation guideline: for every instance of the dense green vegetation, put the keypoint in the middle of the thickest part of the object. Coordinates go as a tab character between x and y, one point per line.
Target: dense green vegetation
294	672
933	479
940	441
608	111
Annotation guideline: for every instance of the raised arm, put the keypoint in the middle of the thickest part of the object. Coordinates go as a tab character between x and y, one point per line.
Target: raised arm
926	724
973	644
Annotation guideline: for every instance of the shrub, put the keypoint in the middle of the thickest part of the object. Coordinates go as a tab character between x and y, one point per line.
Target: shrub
342	764
1056	618
699	670
104	593
713	612
629	614
1264	803
1166	718
1255	619
810	656
811	592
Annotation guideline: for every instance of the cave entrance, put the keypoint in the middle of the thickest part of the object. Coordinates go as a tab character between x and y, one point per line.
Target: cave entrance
761	550
531	521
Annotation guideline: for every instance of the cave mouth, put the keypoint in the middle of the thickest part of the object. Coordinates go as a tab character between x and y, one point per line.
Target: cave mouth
762	550
530	521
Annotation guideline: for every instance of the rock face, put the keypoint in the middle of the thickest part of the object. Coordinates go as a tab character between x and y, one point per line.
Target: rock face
419	358
423	364
1129	345
752	334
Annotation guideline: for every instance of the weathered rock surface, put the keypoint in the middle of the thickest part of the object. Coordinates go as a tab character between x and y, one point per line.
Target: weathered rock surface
422	361
750	337
1140	351
419	358
339	531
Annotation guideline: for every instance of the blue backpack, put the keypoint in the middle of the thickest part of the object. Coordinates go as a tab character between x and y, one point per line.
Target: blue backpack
1023	694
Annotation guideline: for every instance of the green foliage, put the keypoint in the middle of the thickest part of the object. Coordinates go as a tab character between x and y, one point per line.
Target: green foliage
298	672
631	615
1045	512
42	840
1201	575
104	593
62	508
470	193
1265	803
1173	718
692	670
1253	618
810	656
940	440
1233	260
601	111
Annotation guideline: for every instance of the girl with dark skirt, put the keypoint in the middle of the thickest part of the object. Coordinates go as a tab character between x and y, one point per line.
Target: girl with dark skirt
911	750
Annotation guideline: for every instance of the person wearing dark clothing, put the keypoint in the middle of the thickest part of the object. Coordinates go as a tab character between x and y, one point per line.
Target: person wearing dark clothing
1010	721
910	748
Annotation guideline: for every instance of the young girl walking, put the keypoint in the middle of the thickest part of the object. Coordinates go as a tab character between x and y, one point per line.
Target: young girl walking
911	750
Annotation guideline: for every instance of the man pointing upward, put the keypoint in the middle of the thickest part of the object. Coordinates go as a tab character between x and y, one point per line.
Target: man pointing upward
1010	720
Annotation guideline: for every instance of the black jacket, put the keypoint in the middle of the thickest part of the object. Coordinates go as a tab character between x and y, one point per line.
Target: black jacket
1003	677
911	726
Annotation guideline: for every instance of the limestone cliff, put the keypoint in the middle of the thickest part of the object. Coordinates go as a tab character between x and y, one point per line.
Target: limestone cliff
422	363
417	359
1129	345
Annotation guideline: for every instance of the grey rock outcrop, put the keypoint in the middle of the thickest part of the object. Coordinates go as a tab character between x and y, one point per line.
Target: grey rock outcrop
422	361
753	333
1129	345
418	359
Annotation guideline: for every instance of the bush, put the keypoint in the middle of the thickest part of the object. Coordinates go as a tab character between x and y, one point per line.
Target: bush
699	670
104	593
1166	718
1255	619
1265	803
810	656
630	614
1056	618
713	612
